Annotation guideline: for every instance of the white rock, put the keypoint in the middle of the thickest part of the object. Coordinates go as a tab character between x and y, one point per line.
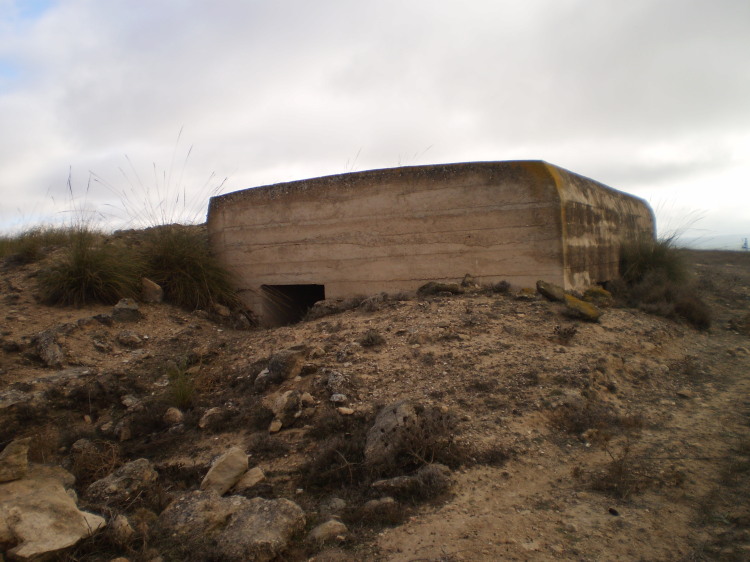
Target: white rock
225	471
251	478
40	518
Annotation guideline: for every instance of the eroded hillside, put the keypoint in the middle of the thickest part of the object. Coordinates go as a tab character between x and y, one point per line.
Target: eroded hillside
625	438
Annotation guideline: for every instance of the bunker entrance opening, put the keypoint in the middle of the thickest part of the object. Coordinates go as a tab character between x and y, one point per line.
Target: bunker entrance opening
287	304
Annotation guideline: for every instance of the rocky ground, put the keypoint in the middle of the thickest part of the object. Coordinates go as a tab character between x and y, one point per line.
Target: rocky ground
478	426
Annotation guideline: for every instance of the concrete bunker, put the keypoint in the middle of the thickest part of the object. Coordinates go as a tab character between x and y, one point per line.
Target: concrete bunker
392	230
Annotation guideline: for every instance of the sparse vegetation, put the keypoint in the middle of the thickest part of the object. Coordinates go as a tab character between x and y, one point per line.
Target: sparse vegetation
181	385
657	279
178	258
372	338
31	245
90	271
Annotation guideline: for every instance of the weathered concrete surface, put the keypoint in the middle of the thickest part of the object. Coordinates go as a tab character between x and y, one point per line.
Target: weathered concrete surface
392	230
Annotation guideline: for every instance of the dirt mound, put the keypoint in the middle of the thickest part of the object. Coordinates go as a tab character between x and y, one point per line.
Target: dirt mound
561	438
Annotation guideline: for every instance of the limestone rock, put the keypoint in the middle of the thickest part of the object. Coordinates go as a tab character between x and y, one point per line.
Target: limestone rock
550	291
526	294
14	460
251	478
598	296
241	529
123	484
286	406
431	479
392	426
332	507
130	339
435	288
222	310
331	530
48	350
468	282
211	418
582	309
151	292
121	529
126	311
286	364
37	518
173	416
225	471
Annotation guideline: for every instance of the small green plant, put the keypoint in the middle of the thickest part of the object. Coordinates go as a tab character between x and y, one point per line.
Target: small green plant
181	385
178	258
90	271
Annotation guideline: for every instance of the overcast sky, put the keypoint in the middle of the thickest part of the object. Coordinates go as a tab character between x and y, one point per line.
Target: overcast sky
651	97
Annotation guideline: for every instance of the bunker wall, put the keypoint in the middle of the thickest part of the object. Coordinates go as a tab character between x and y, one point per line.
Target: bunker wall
392	230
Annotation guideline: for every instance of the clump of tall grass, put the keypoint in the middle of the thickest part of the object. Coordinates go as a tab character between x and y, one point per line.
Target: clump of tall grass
179	259
89	270
656	278
32	244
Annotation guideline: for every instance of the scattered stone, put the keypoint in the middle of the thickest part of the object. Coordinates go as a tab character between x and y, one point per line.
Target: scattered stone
263	380
392	425
212	417
582	309
131	402
339	398
121	529
14	460
173	416
307	399
286	364
287	407
598	296
378	508
105	319
329	531
48	350
275	426
238	528
130	339
40	518
526	294
396	485
225	471
123	484
251	478
550	291
332	507
151	292
345	411
126	311
435	288
222	310
337	382
468	282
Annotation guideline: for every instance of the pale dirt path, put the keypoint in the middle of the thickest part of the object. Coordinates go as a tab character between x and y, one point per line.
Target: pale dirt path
533	509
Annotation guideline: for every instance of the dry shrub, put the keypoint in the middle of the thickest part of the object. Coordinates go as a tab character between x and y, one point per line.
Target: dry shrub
656	279
90	271
33	244
94	461
372	338
179	259
579	418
